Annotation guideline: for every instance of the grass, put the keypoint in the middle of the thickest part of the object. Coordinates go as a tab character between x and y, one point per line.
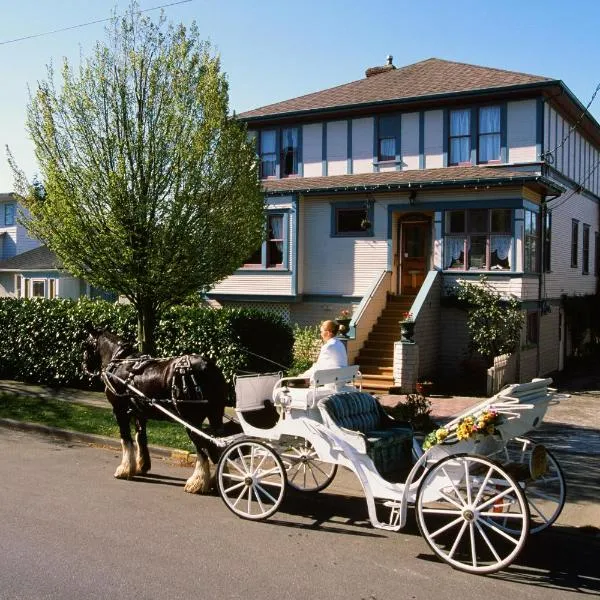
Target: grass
86	419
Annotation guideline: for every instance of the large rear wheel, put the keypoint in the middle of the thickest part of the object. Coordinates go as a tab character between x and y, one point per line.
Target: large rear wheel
251	479
462	505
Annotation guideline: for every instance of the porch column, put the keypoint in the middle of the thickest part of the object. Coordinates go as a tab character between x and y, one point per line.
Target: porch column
406	366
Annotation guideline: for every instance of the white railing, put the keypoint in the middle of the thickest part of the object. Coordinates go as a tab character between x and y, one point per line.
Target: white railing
369	310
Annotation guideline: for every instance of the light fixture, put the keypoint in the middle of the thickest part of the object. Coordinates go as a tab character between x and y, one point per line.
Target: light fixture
412	197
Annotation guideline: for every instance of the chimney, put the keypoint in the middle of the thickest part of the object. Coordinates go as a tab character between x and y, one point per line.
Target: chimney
383	69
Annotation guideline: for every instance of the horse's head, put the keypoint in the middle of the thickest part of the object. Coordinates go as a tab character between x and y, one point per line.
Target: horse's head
100	347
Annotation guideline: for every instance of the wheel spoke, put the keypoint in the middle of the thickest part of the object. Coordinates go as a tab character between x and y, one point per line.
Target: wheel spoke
234	464
499	531
473	545
235	487
264	491
487	541
495	498
458	538
483	486
456	491
446	527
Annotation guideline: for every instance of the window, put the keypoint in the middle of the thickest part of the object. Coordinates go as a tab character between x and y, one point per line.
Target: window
289	151
288	142
271	254
268	153
9	214
460	136
388	126
352	220
585	259
489	134
597	254
532	334
574	242
531	242
547	242
38	288
478	239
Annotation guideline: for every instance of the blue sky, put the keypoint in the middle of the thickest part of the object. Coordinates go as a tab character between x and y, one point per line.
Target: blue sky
274	50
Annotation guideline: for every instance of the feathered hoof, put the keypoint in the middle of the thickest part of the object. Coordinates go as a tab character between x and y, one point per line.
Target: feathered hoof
141	468
123	473
197	485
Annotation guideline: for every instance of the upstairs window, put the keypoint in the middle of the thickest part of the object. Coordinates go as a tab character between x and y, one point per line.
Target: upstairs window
387	138
279	152
489	134
574	242
460	136
9	214
585	259
478	239
268	153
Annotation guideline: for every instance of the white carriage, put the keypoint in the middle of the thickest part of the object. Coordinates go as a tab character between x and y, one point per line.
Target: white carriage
475	499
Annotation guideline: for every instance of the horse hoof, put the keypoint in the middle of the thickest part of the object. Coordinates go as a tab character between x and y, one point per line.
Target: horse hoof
196	487
121	473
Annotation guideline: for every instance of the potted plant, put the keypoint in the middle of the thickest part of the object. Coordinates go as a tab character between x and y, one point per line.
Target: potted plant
424	387
407	328
343	320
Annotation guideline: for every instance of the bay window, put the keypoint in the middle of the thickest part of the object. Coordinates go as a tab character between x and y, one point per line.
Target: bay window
478	239
531	242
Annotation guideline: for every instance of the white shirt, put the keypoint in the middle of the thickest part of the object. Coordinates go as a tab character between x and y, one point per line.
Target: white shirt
332	356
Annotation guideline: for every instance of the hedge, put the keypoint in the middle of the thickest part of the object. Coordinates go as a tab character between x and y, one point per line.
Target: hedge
41	340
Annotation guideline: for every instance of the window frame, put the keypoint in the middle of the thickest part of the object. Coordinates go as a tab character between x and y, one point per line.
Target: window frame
534	239
365	207
264	248
388	128
9	209
488	134
468	233
574	243
451	137
278	156
585	250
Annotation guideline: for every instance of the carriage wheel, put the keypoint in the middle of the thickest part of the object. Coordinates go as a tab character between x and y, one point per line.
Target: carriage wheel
547	491
251	479
462	505
305	472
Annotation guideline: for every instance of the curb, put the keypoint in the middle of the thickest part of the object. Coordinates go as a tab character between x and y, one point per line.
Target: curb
94	439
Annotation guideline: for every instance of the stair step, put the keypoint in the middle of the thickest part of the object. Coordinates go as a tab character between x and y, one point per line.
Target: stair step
377	361
376	370
375	352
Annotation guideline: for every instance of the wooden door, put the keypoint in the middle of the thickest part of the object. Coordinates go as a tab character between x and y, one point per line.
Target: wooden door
414	246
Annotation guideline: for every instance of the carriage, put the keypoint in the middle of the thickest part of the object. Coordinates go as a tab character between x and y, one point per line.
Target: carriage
477	494
477	486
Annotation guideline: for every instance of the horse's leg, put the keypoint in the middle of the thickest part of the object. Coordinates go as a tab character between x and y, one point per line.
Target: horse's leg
126	470
142	463
200	481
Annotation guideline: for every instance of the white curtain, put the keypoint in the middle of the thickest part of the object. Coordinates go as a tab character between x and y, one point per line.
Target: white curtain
387	148
268	153
277	231
460	141
500	247
453	247
489	133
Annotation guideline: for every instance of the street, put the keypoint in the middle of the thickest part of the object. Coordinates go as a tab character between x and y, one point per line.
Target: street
71	531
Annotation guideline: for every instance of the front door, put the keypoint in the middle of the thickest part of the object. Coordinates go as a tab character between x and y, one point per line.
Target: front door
414	243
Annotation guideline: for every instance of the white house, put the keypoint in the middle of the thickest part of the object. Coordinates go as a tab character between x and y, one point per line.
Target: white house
383	191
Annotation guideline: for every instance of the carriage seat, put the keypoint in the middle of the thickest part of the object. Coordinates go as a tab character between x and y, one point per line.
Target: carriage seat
359	419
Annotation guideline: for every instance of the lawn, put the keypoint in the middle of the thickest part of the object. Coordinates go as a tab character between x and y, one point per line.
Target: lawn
86	419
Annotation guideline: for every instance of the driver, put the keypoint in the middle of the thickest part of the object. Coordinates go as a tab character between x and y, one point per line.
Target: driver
333	352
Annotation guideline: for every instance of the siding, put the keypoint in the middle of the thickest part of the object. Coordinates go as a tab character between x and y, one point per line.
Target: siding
434	139
521	131
337	148
312	149
362	145
549	342
410	140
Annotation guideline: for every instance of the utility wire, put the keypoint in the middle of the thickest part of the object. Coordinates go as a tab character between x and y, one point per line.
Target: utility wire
577	190
549	155
37	35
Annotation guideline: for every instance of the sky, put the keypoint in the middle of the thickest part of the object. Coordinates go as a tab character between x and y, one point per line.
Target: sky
275	50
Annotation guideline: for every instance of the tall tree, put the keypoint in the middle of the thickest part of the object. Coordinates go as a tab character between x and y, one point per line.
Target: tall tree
149	187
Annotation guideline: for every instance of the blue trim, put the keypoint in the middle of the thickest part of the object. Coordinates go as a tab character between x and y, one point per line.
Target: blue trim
278	152
349	163
376	144
556	142
474	116
354	205
324	150
446	134
422	140
569	156
567	182
252	298
296	226
528	205
539	129
504	150
263	271
562	150
398	137
333	298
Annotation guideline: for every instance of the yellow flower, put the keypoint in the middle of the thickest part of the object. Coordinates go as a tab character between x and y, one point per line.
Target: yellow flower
441	435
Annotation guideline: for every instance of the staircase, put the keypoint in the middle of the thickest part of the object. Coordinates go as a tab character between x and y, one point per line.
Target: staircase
376	357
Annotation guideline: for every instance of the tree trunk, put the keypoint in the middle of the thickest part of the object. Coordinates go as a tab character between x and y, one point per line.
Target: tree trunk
146	316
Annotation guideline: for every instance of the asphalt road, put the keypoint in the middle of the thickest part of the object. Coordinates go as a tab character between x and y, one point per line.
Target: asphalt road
70	531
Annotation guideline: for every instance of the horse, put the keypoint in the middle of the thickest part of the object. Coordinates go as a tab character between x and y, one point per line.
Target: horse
191	386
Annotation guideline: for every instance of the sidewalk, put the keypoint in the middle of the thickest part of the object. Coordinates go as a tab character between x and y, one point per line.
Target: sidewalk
571	430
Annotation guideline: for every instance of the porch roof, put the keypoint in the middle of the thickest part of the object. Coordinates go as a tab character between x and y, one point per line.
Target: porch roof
38	259
458	177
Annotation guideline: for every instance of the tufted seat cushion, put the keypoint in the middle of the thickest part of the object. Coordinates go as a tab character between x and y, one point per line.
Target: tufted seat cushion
388	442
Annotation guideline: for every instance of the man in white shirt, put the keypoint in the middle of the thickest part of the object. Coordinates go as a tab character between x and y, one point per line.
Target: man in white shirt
333	352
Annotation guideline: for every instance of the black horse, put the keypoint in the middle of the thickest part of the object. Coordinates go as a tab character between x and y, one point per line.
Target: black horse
190	386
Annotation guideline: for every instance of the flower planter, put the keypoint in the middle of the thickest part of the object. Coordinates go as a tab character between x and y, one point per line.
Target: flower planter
344	326
407	331
424	388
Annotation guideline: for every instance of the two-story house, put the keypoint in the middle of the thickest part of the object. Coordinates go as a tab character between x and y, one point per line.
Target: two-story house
384	191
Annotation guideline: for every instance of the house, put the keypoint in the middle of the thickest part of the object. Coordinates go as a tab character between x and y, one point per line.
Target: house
14	238
384	191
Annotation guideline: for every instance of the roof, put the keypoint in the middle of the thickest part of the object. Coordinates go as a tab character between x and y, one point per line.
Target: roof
431	77
38	259
412	179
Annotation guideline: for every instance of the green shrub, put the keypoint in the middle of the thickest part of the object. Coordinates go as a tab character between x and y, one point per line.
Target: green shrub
40	340
307	342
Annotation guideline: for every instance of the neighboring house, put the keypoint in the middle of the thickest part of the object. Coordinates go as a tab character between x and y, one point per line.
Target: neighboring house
38	273
382	192
14	238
